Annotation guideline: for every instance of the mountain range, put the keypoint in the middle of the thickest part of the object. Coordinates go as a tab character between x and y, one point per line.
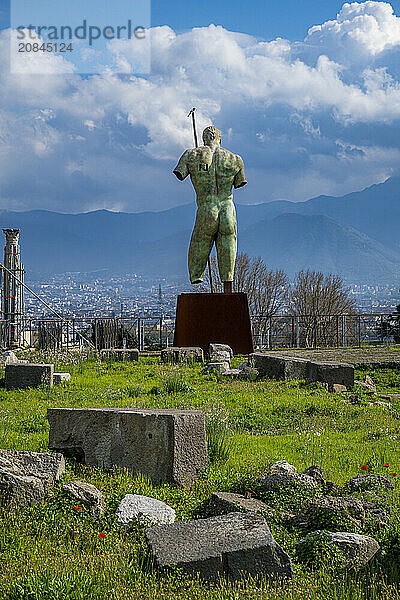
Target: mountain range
355	236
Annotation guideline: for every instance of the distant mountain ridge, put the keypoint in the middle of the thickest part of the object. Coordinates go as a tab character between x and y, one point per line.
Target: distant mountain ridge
356	236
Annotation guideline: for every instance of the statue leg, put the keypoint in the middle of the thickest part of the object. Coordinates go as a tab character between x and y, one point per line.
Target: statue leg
202	240
226	241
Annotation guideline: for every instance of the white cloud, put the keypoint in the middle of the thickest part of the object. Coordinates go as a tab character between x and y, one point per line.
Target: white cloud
72	143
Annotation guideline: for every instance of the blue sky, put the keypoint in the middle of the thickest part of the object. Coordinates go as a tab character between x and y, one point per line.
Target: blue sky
267	19
307	92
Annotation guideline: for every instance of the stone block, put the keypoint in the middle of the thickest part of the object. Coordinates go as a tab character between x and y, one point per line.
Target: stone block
287	367
357	549
25	477
120	354
187	354
222	503
234	546
279	367
61	378
331	373
221	367
164	445
22	376
134	506
86	494
220	353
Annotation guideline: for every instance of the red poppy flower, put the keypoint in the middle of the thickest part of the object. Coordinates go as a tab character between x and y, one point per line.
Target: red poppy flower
364	467
78	507
387	465
102	535
394	474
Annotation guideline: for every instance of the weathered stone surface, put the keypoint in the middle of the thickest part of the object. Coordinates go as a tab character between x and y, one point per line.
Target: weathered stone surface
327	509
25	477
223	503
368	482
22	376
134	506
337	388
235	545
120	354
278	367
285	367
9	358
86	494
165	445
364	386
316	472
175	354
357	549
277	481
221	367
370	383
220	353
61	378
282	466
331	373
216	348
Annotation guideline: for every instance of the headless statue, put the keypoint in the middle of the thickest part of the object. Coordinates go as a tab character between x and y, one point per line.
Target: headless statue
213	172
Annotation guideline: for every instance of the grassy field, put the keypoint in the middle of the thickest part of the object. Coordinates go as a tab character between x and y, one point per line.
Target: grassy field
55	552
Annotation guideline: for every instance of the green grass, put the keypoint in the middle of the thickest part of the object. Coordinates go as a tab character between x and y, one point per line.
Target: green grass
54	552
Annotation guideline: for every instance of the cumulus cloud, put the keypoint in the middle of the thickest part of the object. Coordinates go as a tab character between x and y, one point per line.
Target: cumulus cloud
310	117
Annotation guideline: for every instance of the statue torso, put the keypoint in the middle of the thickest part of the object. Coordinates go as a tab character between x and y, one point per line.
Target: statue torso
212	173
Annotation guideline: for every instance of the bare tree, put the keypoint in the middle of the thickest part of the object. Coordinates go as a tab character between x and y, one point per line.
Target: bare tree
266	289
319	301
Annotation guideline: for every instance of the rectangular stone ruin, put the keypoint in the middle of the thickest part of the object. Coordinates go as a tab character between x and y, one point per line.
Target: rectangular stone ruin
121	354
164	445
61	378
287	367
21	376
234	546
184	354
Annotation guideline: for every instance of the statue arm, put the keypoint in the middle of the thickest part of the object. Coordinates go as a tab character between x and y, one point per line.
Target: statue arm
240	178
181	170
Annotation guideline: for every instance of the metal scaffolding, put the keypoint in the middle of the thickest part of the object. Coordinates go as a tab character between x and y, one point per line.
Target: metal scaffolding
12	289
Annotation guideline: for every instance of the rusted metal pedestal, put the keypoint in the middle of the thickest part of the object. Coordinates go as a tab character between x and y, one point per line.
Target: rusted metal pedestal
202	319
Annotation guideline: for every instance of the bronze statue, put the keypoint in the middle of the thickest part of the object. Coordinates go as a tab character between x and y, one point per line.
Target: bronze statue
213	171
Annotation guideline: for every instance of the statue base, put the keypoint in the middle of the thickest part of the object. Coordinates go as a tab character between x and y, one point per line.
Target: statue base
202	319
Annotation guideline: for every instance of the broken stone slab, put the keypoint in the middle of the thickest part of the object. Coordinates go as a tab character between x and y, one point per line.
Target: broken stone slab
134	506
368	482
318	510
29	375
223	503
282	466
86	494
120	354
163	444
367	388
9	358
221	367
287	367
184	354
316	472
331	373
337	388
25	477
357	549
278	481
220	353
234	546
215	349
61	378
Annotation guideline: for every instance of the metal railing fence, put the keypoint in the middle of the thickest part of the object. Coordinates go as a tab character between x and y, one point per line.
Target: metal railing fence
155	332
